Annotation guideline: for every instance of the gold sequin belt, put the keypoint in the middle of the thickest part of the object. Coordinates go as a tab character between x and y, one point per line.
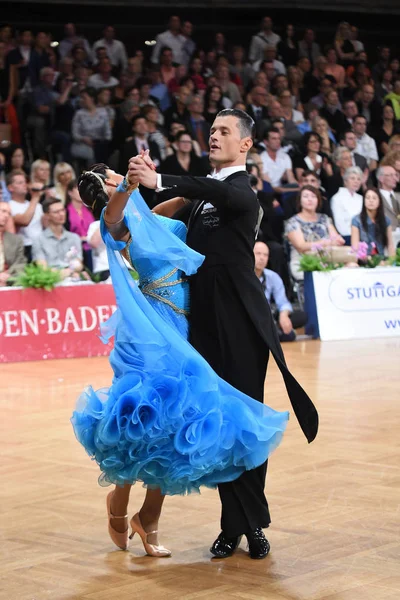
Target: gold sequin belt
149	290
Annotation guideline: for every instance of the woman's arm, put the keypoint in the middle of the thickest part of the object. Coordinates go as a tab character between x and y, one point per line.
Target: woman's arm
335	236
390	244
355	236
169	207
296	238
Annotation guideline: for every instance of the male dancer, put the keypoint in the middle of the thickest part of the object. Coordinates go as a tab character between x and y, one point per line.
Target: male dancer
230	321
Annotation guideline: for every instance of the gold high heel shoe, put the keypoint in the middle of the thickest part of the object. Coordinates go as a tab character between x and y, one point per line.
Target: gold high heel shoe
119	539
151	549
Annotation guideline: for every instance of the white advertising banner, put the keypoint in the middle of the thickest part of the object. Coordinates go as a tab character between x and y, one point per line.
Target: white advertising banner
358	303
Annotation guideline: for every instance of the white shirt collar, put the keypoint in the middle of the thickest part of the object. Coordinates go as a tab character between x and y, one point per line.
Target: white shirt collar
226	172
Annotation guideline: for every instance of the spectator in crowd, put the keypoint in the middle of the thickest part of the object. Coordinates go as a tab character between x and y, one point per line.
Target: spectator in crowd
184	161
171	38
382	64
270	64
158	90
332	68
324	87
99	252
116	50
308	48
288	112
189	46
277	165
56	247
78	220
289	202
64	110
212	103
287	319
7	37
310	113
80	57
43	102
14	156
167	68
137	143
258	110
388	128
287	47
178	112
133	71
26	210
156	133
369	106
350	111
12	257
387	180
349	141
265	37
372	226
331	111
366	145
103	78
393	98
63	173
229	89
91	130
385	85
104	101
347	203
311	157
308	228
343	44
71	40
40	173
197	125
241	68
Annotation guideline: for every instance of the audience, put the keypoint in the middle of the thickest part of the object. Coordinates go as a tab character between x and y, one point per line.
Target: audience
372	226
12	257
26	210
347	203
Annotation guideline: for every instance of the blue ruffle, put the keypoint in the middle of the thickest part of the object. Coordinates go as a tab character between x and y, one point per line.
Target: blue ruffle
167	420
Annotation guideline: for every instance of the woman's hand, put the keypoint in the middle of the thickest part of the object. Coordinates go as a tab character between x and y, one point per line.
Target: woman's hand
142	170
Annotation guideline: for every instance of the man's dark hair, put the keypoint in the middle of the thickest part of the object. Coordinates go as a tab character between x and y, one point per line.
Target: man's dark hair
165	49
307	172
245	122
136	118
272	130
181	133
359	117
49	202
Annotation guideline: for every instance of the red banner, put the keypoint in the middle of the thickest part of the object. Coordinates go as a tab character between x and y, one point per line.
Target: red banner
63	323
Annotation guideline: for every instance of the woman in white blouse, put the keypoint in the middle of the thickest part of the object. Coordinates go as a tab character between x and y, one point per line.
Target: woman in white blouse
346	203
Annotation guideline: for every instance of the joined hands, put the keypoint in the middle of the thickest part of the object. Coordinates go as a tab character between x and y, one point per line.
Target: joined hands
142	170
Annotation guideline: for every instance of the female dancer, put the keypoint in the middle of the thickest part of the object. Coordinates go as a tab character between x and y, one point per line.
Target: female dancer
167	420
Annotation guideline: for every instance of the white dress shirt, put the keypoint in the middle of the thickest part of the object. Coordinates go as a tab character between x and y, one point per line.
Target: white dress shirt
275	169
366	146
175	42
116	52
345	206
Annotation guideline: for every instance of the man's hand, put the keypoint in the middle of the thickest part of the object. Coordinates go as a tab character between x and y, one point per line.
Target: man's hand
141	171
3	278
284	322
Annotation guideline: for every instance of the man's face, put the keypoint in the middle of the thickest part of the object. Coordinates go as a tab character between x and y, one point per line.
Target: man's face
187	28
267	24
167	58
140	126
18	187
261	255
5	214
174	24
360	126
69	30
26	38
332	98
309	36
350	110
350	140
385	53
105	66
388	178
184	95
367	94
309	180
42	40
57	214
196	106
275	110
281	128
260	96
109	33
274	141
226	145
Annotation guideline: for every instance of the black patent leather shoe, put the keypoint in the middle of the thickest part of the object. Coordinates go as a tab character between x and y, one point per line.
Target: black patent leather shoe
224	546
258	544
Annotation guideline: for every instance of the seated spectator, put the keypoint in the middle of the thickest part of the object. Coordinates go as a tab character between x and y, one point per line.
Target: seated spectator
57	247
158	92
167	68
12	257
156	133
324	87
197	126
70	40
78	220
91	131
40	173
387	181
332	68
64	111
347	203
287	319
369	107
178	112
137	142
350	111
103	78
14	159
366	145
289	201
311	111
277	165
212	103
184	161
308	228
63	173
122	128
229	89
43	101
115	49
387	129
311	157
99	252
287	48
331	111
240	67
27	213
181	71
270	57
104	101
320	125
266	37
288	112
372	226
349	141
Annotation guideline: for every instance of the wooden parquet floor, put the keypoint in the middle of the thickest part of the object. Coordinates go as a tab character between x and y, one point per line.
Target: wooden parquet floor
335	503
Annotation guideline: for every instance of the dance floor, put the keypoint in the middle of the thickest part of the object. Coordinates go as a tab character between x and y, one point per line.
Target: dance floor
335	504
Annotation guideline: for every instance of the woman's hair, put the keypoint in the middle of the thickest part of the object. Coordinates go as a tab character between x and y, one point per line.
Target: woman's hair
306	138
207	95
61	167
9	153
39	163
92	188
380	220
315	191
338	153
70	186
352	171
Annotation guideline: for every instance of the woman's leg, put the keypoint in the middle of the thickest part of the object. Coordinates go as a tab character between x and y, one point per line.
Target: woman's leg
119	507
150	512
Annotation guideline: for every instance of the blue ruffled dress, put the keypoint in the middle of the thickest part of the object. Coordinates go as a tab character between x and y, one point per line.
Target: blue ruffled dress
168	420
